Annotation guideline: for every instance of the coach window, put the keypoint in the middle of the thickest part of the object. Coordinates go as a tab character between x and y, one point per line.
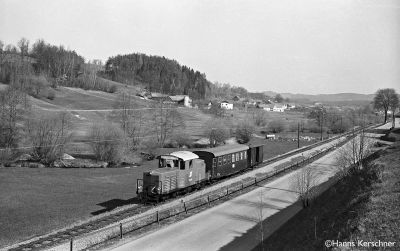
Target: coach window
245	155
241	155
214	162
237	156
224	158
219	161
233	158
228	158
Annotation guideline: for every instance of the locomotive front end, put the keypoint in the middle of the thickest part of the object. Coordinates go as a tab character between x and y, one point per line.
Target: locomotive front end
150	186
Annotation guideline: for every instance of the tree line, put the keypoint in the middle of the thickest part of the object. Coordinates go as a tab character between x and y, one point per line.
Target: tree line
158	73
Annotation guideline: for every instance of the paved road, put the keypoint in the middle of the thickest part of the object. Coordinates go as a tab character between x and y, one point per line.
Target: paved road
219	226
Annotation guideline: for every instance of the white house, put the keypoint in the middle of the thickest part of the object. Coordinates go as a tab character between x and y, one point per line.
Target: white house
279	108
226	105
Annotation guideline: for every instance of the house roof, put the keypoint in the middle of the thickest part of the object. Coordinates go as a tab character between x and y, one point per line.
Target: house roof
225	149
224	101
178	98
157	94
184	155
265	105
279	106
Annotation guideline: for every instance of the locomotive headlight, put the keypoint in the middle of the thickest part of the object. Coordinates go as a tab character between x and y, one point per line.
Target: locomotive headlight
156	190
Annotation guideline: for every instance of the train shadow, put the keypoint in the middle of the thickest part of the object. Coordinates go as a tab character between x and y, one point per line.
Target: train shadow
110	205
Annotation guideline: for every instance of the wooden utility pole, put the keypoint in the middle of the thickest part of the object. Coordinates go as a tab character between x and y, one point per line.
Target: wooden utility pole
322	121
298	134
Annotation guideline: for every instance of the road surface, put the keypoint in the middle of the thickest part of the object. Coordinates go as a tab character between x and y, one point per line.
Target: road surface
217	227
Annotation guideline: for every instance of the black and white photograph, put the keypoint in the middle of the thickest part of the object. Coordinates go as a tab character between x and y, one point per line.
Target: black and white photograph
199	125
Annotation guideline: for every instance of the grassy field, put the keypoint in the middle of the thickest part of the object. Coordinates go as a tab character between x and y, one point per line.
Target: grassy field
37	201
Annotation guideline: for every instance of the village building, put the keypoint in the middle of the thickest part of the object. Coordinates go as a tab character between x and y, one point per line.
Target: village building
226	105
279	108
182	100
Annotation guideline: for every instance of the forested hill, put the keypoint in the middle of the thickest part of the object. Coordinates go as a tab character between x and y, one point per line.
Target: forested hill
159	74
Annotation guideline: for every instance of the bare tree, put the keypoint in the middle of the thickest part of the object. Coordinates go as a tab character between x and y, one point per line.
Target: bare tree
261	220
217	131
11	111
302	182
48	136
23	45
350	157
243	132
106	142
259	118
166	120
132	121
386	99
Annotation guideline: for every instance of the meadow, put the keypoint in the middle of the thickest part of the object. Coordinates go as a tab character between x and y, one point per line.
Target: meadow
36	201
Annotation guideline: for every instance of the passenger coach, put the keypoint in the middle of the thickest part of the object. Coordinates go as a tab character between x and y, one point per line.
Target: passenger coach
224	160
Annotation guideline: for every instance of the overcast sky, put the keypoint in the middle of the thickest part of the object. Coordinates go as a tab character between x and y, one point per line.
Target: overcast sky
307	46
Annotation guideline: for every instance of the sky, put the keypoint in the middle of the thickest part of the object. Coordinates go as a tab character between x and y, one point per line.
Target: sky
307	46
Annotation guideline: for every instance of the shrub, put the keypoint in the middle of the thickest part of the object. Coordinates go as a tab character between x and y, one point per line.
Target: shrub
113	89
183	140
106	142
5	156
217	131
37	84
244	132
47	135
260	118
51	94
149	149
276	126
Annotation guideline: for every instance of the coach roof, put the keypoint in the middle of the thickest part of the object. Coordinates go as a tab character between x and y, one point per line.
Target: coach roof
225	149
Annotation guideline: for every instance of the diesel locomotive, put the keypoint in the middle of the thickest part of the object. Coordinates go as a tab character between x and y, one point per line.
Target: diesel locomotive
183	171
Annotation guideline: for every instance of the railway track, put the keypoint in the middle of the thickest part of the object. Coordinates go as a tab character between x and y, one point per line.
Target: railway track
54	239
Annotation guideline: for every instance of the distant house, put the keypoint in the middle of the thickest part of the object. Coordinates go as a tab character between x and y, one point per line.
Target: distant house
226	105
266	107
182	100
279	108
236	98
160	97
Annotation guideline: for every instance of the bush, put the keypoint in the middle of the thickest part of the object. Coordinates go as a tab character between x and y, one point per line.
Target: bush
244	132
106	142
217	131
150	149
51	94
183	140
5	156
48	136
113	89
260	118
276	126
37	86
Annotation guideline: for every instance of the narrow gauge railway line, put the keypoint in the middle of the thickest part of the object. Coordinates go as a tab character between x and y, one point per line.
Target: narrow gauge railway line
62	236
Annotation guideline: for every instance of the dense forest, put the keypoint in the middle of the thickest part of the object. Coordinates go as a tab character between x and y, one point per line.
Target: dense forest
60	66
159	74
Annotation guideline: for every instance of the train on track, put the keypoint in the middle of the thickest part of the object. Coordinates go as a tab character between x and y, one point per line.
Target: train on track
183	171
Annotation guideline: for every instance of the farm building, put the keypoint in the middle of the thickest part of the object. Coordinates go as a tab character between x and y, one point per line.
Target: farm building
182	100
279	108
226	105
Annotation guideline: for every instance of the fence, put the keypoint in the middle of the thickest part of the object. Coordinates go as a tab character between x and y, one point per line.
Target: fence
119	229
156	215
